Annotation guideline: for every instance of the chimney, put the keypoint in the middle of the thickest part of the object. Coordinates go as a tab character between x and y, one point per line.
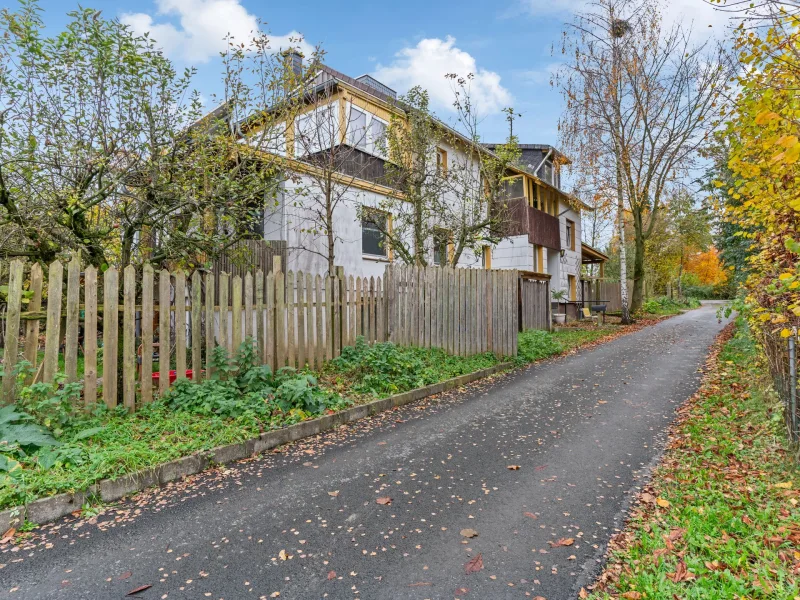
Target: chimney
294	61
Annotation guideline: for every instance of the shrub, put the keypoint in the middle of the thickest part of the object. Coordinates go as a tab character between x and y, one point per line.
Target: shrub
240	387
535	344
384	368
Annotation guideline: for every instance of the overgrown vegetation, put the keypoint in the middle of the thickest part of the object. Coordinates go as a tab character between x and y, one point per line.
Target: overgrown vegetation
668	306
50	444
722	519
383	369
535	344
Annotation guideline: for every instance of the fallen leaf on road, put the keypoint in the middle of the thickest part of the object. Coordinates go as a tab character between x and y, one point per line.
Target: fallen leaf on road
662	502
331	575
474	565
125	575
583	594
141	588
419	584
462	591
469	533
647	498
513	467
384	501
334	493
274	594
562	542
531	515
8	536
282	554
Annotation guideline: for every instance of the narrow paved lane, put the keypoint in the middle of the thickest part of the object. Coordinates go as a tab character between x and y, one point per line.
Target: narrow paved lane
305	522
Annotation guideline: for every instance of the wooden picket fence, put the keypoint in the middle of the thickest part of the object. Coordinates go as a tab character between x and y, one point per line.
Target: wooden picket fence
535	308
293	319
462	311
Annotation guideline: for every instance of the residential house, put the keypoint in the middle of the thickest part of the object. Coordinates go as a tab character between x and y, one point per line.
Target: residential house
544	234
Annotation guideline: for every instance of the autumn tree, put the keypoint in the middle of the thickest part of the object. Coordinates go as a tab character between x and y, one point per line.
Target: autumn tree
105	151
642	93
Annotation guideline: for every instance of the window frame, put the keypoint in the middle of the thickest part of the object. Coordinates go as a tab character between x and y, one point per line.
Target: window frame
299	149
366	214
446	236
570	231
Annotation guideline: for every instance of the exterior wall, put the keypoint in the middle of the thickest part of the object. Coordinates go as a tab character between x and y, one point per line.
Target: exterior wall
513	253
570	263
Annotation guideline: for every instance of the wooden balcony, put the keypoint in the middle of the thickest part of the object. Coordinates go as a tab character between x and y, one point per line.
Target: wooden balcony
542	229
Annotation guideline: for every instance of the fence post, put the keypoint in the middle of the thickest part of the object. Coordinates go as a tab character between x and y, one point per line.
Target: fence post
12	331
793	384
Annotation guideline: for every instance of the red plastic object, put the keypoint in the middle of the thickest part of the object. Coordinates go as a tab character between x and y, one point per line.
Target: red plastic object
173	375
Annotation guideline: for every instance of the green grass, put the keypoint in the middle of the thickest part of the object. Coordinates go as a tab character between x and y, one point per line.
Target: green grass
727	493
535	345
664	306
365	372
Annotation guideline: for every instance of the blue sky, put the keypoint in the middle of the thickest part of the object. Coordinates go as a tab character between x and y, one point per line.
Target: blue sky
508	44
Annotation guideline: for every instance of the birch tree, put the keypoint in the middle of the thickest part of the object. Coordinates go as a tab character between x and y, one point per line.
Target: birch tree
643	93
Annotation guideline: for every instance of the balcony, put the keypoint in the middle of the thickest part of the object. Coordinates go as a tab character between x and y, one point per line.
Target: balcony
542	229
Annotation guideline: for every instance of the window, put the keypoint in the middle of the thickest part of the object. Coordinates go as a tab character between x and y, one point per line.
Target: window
441	162
316	130
373	239
573	293
570	235
357	128
441	241
377	129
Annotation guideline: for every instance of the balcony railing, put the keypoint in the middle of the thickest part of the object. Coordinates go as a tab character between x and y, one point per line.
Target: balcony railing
542	229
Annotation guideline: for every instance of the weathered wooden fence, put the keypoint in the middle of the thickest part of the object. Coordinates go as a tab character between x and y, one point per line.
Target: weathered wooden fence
123	322
462	311
534	304
606	292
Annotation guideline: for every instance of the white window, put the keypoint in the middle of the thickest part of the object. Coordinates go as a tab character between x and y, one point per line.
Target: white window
377	130
316	130
357	128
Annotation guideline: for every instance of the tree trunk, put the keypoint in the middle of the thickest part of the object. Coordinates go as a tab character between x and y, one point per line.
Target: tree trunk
638	263
623	259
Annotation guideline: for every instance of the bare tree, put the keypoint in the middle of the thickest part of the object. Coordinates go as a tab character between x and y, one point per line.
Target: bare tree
642	93
336	146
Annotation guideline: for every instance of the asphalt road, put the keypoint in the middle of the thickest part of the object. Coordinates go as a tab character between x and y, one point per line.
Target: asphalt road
305	523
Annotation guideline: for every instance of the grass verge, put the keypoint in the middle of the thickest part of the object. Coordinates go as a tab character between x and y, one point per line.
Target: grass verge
720	518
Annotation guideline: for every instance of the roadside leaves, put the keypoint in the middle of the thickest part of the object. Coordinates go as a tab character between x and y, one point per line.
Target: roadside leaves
384	501
469	533
562	542
141	588
513	467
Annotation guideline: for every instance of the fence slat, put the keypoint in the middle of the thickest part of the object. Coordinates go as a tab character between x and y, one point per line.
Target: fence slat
129	338
224	337
381	309
291	346
110	336
318	316
301	321
270	316
164	341
280	321
12	331
146	371
180	325
260	328
197	336
248	306
210	297
73	302
90	337
336	312
31	352
53	326
328	320
236	313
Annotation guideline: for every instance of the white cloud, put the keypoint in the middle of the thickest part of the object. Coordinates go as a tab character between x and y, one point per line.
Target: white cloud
201	28
427	63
